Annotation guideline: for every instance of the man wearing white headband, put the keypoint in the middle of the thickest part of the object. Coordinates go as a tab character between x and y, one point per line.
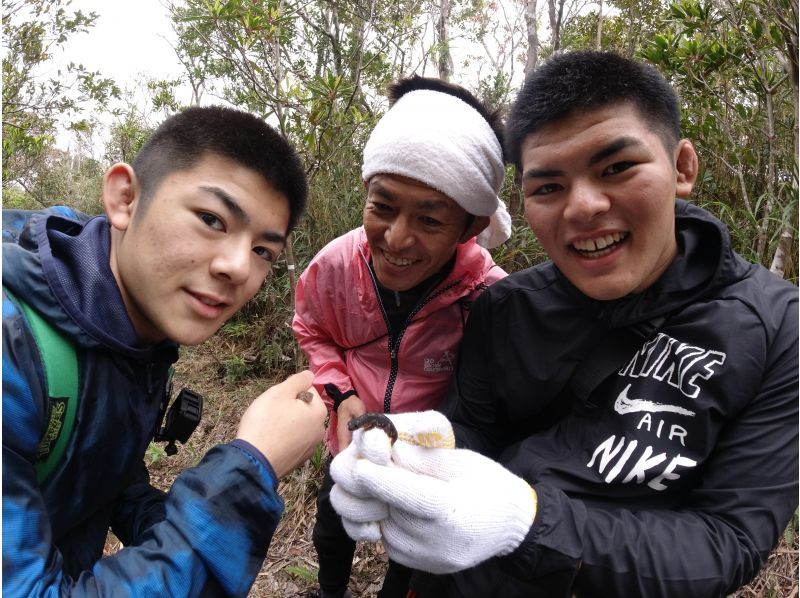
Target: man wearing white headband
381	310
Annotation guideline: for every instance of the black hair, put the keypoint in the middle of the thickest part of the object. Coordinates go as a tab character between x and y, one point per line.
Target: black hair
185	138
493	116
585	80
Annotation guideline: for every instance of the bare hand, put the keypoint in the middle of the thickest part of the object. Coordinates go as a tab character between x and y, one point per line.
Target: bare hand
284	428
351	408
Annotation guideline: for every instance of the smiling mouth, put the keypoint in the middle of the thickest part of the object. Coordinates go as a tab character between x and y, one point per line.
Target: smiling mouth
208	301
601	246
205	300
397	261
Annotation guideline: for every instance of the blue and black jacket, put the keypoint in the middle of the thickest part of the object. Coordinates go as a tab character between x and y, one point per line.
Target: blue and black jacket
209	535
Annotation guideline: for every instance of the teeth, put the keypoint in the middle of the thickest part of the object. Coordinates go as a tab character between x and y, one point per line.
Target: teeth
209	302
397	261
599	243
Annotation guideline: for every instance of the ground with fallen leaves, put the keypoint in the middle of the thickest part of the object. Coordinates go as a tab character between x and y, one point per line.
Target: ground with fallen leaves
291	566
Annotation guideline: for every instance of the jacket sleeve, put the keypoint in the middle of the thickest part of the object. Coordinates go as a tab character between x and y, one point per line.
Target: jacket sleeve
140	507
218	521
314	327
469	403
493	274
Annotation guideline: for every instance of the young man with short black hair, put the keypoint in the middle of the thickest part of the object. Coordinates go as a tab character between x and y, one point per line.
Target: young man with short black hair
190	233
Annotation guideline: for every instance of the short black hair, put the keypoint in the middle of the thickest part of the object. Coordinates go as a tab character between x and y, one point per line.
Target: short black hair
185	138
493	116
586	80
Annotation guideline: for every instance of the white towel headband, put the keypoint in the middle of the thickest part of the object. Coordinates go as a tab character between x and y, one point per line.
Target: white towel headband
443	142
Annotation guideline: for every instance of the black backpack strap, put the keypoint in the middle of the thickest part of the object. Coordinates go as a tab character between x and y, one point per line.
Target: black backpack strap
609	356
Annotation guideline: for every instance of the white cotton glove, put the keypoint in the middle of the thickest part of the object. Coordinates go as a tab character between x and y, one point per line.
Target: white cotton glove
436	508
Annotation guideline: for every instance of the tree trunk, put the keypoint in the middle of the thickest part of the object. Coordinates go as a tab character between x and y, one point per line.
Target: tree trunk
531	60
782	252
787	21
556	11
763	228
599	41
445	59
533	36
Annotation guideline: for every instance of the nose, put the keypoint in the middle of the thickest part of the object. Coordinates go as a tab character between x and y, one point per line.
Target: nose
585	202
233	261
399	234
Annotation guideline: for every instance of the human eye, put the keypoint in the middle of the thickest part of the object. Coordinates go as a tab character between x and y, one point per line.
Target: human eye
211	221
430	221
545	189
381	207
617	167
264	253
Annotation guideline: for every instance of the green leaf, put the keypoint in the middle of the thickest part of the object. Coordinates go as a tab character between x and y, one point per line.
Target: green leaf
775	34
303	573
756	29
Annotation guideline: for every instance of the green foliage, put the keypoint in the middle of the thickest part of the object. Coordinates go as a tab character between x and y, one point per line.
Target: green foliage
729	64
128	135
235	329
495	89
317	460
33	30
521	251
236	368
63	179
790	533
155	452
258	340
15	199
304	573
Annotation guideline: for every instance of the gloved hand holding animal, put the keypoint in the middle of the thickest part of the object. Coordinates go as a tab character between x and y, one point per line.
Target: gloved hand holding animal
435	507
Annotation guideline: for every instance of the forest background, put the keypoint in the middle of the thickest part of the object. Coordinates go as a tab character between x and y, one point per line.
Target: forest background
317	70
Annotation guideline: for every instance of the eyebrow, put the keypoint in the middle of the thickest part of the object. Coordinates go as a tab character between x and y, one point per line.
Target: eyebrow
239	214
612	148
433	204
604	152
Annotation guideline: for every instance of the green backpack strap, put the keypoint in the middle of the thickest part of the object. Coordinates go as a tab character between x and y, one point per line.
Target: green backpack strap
60	365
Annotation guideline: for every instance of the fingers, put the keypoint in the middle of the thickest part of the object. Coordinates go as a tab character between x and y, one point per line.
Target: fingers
415	543
350	408
343	435
374	444
286	430
342	469
439	463
397	487
420	495
357	509
371	532
298	382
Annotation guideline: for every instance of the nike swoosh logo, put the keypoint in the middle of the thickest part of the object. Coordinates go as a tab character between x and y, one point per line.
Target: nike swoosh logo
625	405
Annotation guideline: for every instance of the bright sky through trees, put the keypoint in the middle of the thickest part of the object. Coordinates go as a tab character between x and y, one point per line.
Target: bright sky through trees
130	41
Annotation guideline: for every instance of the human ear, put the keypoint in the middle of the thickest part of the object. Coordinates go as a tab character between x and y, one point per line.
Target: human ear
477	225
686	167
120	191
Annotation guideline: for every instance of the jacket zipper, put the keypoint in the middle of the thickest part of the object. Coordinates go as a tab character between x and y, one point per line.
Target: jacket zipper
393	347
393	350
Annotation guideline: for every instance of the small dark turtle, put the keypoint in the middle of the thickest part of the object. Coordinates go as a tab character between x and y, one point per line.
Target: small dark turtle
305	396
374	420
